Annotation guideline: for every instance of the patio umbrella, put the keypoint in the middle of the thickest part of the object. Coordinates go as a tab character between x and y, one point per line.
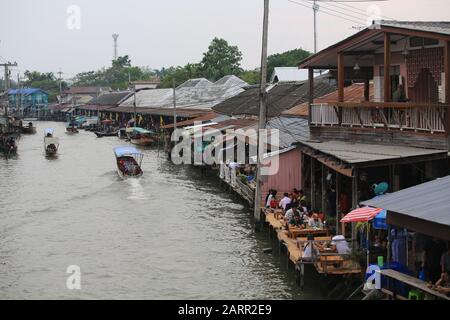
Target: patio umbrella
364	214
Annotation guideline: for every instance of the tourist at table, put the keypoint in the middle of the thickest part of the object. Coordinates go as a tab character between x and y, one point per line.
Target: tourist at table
270	197
443	284
315	222
302	196
304	206
285	201
445	260
340	245
289	215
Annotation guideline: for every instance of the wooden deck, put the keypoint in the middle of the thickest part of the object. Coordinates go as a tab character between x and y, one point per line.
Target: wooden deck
324	263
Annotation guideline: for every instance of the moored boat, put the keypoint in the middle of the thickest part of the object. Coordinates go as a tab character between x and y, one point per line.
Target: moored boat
128	161
51	143
142	137
107	130
30	129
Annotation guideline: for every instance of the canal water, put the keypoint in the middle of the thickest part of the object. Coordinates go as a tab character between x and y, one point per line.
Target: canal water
172	234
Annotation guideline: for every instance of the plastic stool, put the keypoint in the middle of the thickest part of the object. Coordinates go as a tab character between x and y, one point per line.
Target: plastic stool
415	295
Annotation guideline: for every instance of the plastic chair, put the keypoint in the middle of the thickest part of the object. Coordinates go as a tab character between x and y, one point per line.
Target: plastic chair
415	295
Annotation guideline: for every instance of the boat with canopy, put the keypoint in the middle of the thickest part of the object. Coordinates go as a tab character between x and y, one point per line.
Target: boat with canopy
142	137
51	143
128	161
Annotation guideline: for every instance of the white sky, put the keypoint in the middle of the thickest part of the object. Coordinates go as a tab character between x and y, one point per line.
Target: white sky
159	33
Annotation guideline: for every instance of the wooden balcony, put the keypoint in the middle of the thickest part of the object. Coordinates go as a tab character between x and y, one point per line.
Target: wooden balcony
412	117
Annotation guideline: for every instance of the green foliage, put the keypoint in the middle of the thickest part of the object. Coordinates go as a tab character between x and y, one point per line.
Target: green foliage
220	60
116	76
45	81
286	59
251	76
181	74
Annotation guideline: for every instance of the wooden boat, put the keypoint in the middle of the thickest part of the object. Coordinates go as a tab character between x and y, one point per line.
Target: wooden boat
30	129
142	137
71	130
101	134
8	143
107	131
51	143
128	161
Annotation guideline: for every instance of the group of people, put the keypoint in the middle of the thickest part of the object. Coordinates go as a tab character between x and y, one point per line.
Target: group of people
296	210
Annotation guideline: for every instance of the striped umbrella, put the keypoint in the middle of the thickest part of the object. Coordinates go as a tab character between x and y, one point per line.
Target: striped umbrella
363	214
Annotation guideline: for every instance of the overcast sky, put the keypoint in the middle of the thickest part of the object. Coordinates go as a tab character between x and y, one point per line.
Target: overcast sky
159	33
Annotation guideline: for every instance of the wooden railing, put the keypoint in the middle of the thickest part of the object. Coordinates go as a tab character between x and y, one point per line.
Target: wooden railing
431	118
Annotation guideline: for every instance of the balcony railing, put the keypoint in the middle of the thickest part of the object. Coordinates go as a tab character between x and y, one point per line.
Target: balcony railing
396	116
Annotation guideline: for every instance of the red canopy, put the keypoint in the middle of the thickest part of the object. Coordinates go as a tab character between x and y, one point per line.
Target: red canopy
361	214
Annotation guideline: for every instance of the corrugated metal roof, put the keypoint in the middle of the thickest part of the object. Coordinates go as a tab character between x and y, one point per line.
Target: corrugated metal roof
289	74
352	93
281	97
194	93
442	27
110	98
290	129
204	118
354	153
427	201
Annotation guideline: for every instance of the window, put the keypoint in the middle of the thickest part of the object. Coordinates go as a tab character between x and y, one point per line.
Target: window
415	42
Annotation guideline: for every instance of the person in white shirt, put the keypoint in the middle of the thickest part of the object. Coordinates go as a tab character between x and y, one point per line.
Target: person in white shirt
315	222
285	201
340	245
289	215
269	198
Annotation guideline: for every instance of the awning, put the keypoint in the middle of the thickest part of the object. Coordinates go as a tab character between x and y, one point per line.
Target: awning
423	208
363	214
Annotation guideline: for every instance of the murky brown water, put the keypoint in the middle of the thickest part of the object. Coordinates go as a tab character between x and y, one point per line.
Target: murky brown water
171	234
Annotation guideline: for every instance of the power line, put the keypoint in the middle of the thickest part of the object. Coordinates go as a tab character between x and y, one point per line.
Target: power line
348	7
323	6
331	14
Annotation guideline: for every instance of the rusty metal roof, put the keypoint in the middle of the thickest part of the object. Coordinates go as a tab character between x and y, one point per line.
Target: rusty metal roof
352	93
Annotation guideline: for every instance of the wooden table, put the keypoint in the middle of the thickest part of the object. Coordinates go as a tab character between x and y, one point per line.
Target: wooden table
296	232
411	281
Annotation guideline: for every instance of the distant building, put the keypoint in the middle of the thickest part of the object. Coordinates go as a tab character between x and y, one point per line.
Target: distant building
82	95
148	84
288	74
28	101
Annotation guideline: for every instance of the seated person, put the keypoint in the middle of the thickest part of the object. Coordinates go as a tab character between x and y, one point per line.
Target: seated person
315	222
308	249
289	215
443	284
340	245
285	201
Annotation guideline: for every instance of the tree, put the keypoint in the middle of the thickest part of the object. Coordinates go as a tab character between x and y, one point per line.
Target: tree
181	74
117	76
220	60
286	59
45	81
251	76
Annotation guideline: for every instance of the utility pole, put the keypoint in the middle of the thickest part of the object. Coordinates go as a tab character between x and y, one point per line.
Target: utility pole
7	74
134	105
315	9
19	97
262	113
174	106
60	85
